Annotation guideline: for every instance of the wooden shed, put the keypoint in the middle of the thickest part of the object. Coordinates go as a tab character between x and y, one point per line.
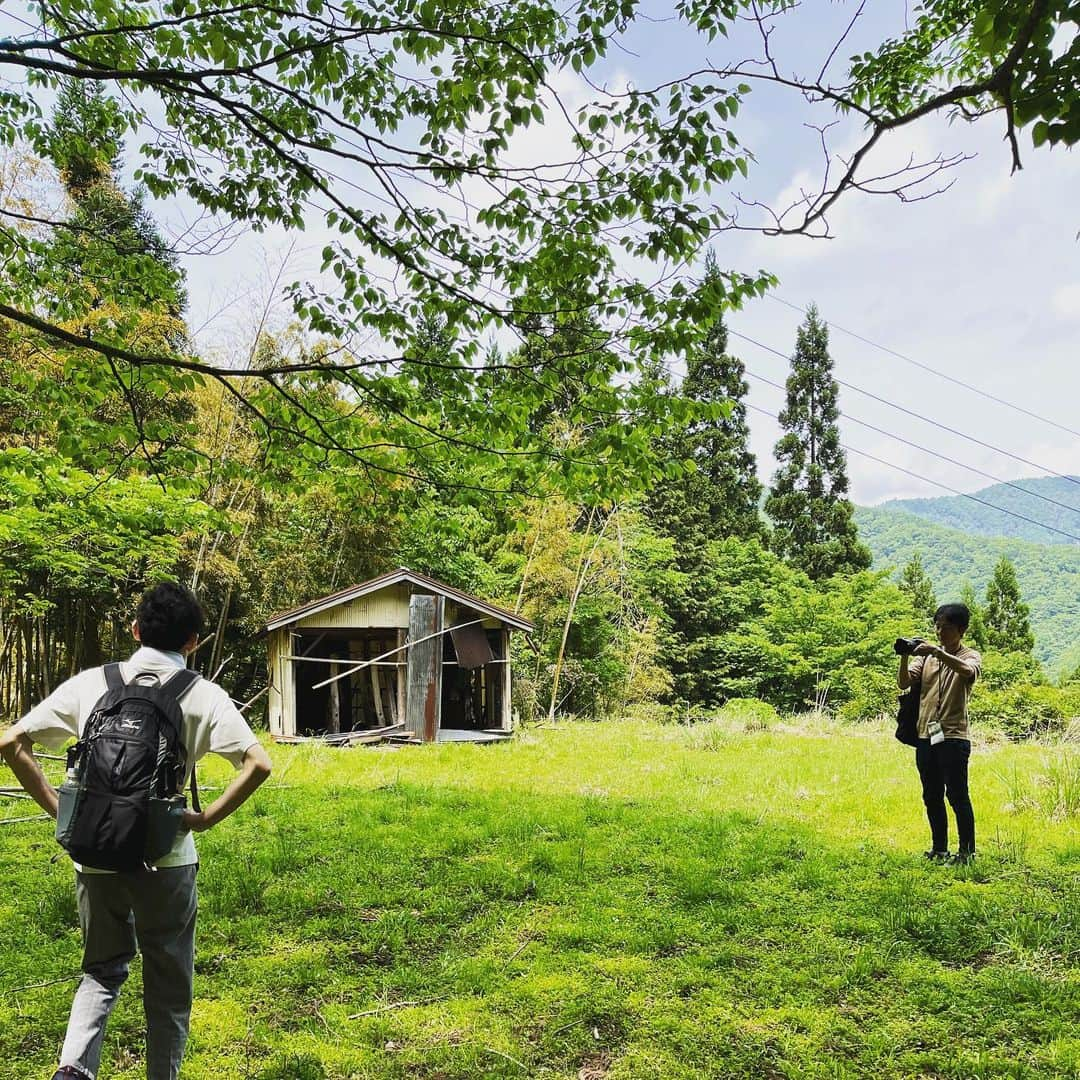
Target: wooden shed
400	649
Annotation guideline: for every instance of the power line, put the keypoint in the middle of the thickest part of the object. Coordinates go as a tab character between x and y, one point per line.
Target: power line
925	449
933	371
918	416
936	483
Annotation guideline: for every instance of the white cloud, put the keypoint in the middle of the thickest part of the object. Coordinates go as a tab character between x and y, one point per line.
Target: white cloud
1066	301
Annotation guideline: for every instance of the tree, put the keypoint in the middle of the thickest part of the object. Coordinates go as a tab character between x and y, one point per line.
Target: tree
812	518
915	582
1008	623
110	266
977	633
387	121
84	142
720	495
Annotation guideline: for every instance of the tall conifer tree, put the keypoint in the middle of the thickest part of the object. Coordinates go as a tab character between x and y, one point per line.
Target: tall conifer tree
113	250
808	504
1008	622
977	632
915	582
720	497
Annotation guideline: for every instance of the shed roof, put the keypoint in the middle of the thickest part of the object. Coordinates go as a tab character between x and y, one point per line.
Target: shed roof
396	577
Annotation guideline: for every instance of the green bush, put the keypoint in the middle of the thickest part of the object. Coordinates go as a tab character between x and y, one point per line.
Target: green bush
872	693
1003	670
1026	710
751	713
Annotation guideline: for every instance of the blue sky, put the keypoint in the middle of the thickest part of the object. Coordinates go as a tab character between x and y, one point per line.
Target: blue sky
982	281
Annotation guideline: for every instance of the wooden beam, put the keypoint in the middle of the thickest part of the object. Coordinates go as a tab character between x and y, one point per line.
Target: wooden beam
376	693
333	719
507	718
400	679
423	696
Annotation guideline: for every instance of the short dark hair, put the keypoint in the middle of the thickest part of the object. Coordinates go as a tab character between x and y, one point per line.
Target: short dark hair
168	614
957	614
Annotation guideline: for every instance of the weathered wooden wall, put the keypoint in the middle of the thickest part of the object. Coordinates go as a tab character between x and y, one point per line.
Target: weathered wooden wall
386	609
281	708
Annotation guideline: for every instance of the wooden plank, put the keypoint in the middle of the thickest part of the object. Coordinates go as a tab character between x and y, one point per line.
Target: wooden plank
400	679
353	659
391	691
507	718
376	693
333	718
423	695
471	646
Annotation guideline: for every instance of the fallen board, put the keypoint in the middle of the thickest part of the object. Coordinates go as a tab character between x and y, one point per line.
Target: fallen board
460	735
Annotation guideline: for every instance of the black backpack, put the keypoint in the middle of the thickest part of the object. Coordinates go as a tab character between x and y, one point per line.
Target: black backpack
907	716
122	804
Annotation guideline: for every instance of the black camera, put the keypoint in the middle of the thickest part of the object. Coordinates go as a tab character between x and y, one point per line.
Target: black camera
905	646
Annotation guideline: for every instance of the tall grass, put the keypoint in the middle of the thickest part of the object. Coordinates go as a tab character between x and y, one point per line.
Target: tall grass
1053	791
624	901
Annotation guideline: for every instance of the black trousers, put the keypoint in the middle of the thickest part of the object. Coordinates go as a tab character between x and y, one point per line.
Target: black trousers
943	770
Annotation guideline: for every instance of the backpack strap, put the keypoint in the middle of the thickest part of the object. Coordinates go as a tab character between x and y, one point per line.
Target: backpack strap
179	684
113	678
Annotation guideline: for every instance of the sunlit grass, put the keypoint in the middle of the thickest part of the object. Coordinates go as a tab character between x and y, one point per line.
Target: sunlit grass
622	900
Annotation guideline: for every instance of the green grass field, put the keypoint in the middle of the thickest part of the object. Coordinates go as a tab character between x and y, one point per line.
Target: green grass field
622	900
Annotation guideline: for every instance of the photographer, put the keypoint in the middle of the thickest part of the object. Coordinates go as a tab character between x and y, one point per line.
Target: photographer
944	674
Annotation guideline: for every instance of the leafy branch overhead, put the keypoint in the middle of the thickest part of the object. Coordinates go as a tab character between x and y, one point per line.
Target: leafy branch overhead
412	132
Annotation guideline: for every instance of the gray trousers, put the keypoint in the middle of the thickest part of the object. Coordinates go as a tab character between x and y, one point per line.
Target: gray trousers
153	911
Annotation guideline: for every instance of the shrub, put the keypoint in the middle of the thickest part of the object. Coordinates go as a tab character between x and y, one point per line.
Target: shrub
1025	711
872	693
1003	670
752	714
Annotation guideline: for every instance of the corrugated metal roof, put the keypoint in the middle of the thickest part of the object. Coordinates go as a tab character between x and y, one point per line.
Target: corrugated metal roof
396	577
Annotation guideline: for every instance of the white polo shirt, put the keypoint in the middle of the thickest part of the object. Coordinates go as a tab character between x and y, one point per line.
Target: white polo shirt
212	723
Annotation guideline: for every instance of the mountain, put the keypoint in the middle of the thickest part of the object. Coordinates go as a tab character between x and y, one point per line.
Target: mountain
1046	500
1049	574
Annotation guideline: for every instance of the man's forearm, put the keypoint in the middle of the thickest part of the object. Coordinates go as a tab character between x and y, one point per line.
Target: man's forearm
903	679
954	663
18	752
254	769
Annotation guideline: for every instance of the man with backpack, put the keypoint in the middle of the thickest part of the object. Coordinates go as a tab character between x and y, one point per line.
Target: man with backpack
129	831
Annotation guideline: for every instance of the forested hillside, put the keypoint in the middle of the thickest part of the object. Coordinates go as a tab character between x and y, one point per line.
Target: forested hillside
1049	575
1052	500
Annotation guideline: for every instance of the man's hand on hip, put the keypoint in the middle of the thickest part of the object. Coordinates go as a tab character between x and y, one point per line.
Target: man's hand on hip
195	821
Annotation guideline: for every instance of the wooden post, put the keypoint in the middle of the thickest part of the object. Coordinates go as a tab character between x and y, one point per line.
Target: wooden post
399	677
423	697
287	671
376	693
333	720
507	718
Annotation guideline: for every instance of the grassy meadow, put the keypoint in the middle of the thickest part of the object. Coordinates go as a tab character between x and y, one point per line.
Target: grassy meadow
619	901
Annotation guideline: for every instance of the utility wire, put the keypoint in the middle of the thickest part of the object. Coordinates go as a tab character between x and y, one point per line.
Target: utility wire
925	449
936	483
918	416
932	371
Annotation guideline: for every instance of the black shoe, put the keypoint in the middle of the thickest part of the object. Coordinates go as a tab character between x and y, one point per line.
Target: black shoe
68	1072
962	858
936	856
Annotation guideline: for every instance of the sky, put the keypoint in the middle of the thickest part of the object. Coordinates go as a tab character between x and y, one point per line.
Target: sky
981	282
